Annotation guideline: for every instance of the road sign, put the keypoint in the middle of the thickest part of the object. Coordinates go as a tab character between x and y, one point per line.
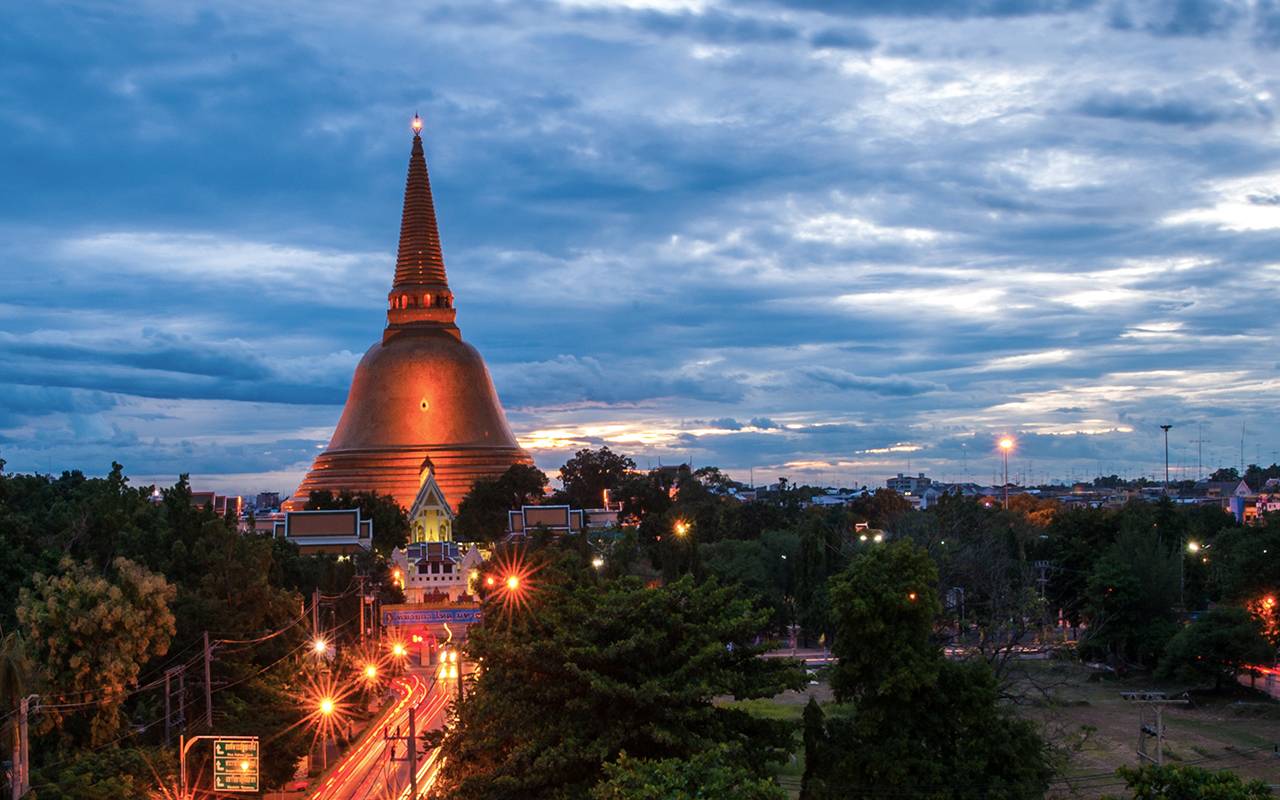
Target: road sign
235	764
430	616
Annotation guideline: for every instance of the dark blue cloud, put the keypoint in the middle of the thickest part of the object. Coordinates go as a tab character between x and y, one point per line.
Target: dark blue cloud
1179	17
894	386
950	9
843	39
1165	109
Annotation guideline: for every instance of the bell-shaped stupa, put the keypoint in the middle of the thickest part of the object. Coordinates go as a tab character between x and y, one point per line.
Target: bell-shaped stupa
420	393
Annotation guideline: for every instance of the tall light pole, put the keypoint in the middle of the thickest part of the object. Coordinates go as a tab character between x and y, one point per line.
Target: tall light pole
1166	428
1006	444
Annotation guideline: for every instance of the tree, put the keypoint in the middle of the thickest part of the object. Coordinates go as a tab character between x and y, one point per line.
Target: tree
92	633
108	774
883	606
482	514
589	473
908	720
710	775
1173	782
627	669
1221	643
1131	596
814	732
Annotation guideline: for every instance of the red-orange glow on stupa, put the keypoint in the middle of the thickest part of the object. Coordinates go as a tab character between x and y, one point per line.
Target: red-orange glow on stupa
421	392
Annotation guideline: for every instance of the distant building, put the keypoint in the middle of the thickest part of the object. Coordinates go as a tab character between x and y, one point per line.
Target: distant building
267	501
337	531
221	504
908	485
836	497
559	519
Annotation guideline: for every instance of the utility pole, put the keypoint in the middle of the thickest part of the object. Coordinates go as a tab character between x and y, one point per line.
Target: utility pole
168	701
315	613
1154	703
21	781
208	685
362	609
412	755
1166	428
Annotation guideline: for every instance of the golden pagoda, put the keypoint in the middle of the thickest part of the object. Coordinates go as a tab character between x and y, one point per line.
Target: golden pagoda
421	394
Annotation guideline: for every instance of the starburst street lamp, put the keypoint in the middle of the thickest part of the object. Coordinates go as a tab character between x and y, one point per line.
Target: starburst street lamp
1006	444
319	646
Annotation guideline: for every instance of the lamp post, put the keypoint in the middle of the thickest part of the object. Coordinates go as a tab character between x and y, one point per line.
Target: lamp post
1006	444
1193	548
1166	428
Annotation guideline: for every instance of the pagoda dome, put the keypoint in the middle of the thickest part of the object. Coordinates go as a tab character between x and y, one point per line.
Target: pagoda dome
423	386
421	393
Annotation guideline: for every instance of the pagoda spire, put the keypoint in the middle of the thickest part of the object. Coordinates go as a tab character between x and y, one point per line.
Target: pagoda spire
420	292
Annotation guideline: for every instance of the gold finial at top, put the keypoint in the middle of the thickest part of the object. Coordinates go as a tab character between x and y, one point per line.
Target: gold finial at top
416	124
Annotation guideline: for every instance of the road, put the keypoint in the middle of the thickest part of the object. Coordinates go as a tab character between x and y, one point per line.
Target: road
366	771
1267	680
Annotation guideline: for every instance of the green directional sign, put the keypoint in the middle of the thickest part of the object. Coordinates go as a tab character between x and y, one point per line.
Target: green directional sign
235	765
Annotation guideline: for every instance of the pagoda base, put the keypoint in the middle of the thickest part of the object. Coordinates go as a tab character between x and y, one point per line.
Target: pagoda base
396	471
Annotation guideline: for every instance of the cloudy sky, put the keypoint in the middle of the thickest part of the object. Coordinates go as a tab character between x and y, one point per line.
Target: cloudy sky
824	240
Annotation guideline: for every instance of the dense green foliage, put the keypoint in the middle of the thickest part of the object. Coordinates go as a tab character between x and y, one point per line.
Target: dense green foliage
910	721
626	669
92	633
1172	782
587	476
1217	646
711	775
608	680
114	585
482	514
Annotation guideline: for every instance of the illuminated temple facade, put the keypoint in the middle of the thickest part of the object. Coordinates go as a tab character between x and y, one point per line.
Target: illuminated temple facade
421	395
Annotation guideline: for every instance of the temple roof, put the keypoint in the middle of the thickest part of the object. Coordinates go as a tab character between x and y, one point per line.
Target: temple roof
420	261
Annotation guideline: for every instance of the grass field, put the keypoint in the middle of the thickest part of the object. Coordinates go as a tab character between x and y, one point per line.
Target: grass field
1093	730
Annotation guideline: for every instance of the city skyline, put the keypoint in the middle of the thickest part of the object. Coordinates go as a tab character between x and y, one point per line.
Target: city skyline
821	244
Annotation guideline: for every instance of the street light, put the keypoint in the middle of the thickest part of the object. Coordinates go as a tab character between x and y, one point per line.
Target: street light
681	527
371	671
1192	547
1166	428
320	647
398	649
1006	444
513	582
597	562
326	706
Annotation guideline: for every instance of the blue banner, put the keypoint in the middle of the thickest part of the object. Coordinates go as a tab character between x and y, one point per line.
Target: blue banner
431	616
